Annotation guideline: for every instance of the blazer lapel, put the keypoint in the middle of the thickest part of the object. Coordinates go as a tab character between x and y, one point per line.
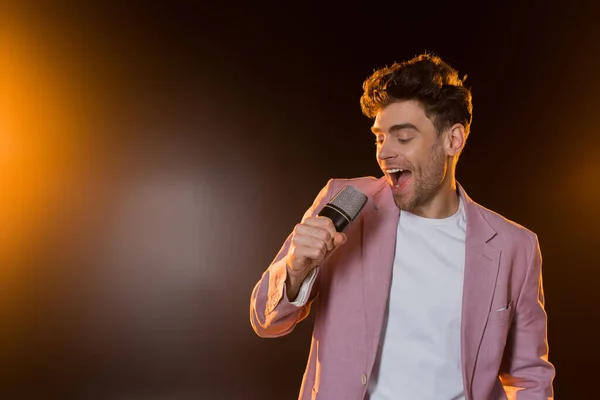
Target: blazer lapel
481	271
380	226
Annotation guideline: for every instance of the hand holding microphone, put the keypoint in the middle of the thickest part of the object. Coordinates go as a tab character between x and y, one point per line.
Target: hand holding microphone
313	240
316	238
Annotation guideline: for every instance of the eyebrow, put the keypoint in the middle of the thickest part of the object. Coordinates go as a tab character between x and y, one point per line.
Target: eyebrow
395	128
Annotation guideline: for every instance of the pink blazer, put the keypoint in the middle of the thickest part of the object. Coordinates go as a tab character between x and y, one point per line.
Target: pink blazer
504	353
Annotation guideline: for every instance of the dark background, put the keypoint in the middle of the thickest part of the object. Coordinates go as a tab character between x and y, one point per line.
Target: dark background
155	155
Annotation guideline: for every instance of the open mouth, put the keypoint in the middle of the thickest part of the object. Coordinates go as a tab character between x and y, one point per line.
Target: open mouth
399	178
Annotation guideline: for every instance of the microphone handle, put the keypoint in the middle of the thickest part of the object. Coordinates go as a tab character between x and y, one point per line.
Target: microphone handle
340	219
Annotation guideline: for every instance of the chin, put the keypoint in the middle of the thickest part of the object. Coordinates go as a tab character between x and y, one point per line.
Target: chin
404	203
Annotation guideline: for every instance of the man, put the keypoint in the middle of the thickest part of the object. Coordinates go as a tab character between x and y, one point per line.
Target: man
427	295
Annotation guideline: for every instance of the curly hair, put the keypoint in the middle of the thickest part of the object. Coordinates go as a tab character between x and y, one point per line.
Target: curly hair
427	79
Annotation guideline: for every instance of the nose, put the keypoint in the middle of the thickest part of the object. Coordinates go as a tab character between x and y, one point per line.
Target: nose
386	150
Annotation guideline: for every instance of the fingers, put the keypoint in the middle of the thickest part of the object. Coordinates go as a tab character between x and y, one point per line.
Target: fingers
322	223
339	239
309	256
312	241
315	230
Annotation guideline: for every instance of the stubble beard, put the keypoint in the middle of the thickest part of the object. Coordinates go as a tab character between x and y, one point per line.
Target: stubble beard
429	182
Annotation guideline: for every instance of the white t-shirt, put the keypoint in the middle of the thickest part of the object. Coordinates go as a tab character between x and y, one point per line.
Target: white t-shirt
419	351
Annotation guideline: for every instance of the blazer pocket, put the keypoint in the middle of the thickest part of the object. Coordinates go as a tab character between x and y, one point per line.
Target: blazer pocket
502	314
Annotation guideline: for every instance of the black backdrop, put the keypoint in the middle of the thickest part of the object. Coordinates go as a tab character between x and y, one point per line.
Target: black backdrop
158	154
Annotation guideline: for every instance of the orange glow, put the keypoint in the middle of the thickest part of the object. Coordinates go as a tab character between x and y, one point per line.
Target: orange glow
35	126
586	187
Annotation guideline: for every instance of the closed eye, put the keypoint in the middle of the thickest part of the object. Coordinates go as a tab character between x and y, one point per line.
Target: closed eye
404	141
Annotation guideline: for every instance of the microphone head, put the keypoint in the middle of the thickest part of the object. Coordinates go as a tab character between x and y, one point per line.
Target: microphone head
350	201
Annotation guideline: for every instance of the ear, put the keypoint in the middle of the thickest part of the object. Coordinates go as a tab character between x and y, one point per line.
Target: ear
454	140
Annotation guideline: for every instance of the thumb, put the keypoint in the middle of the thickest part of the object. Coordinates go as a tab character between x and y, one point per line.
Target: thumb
339	239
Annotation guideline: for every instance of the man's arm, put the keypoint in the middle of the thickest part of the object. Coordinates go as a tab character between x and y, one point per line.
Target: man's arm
272	313
526	371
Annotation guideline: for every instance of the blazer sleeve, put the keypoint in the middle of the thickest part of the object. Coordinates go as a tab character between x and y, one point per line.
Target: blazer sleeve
271	312
526	372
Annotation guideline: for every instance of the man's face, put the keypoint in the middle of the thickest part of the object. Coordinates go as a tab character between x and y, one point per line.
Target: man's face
410	153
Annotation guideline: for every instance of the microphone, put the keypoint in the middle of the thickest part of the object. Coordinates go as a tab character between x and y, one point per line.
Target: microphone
344	207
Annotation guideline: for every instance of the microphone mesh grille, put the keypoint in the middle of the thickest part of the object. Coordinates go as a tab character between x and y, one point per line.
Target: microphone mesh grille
350	200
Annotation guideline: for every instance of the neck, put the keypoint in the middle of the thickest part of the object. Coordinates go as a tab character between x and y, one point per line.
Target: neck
443	204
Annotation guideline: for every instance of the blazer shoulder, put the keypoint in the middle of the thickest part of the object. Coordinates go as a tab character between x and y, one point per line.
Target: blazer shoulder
366	184
507	228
